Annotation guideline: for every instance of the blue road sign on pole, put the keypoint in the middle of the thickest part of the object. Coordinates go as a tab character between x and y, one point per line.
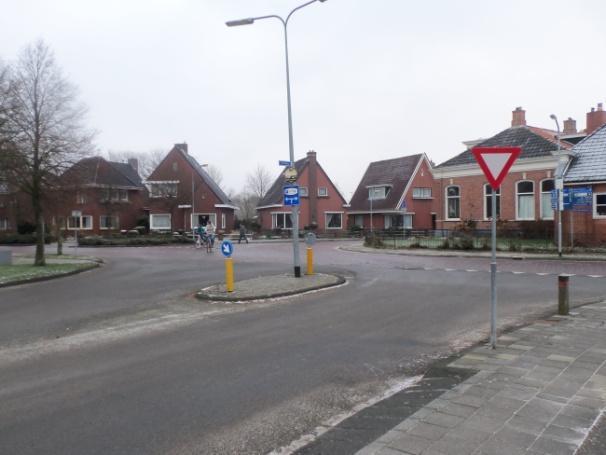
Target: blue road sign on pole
227	248
285	163
576	199
291	195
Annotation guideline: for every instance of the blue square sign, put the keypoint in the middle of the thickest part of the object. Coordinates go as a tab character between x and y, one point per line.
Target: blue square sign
291	194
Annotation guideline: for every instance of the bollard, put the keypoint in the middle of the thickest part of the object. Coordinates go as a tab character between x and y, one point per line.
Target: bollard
563	297
229	274
310	261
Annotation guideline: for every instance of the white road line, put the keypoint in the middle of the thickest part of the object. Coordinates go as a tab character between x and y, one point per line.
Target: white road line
470	270
543	273
450	270
595	276
517	273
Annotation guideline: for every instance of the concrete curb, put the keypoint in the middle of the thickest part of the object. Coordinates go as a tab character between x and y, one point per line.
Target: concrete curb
217	298
500	255
90	266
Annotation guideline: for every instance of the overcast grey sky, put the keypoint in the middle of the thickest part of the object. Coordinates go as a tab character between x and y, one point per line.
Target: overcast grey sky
370	80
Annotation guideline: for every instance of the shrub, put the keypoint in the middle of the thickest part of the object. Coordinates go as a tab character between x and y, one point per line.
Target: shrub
25	227
445	245
132	241
373	241
23	239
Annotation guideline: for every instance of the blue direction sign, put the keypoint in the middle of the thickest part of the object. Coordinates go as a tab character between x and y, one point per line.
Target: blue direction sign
227	248
291	195
577	199
285	163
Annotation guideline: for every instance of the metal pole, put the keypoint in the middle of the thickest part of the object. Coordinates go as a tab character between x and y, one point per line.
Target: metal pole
560	195
193	195
571	229
493	274
371	197
291	150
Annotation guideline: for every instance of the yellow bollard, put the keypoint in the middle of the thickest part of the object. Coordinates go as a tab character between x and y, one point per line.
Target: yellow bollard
229	274
310	261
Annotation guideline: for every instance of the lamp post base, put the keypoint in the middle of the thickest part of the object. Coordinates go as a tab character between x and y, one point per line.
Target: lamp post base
297	271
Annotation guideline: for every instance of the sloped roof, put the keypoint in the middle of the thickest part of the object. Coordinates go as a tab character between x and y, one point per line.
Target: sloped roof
99	171
590	162
274	194
535	143
395	172
204	175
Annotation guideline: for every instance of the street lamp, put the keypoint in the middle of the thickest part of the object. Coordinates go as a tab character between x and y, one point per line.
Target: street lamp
559	186
295	212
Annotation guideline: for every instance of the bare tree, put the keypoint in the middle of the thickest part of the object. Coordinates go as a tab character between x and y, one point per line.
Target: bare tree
45	130
215	173
258	181
147	161
247	203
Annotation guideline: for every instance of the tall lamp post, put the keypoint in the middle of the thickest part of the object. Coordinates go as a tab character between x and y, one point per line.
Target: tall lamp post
559	186
295	209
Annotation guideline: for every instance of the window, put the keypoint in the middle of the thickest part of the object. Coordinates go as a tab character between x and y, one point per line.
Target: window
223	221
281	221
599	205
3	187
80	222
453	203
81	198
488	202
109	222
546	209
334	220
303	191
202	219
525	200
113	195
378	192
359	220
3	224
421	193
163	190
398	221
159	221
322	191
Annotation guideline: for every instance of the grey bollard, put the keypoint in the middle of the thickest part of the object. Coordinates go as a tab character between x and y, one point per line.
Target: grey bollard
6	257
563	295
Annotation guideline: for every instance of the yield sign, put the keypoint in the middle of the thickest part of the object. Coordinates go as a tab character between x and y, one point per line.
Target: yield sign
496	162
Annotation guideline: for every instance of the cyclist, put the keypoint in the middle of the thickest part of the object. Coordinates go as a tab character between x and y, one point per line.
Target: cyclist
210	232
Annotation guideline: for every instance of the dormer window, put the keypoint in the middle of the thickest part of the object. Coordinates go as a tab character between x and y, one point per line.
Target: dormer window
378	192
163	189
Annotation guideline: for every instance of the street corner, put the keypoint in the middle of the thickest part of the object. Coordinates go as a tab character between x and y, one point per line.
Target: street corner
270	286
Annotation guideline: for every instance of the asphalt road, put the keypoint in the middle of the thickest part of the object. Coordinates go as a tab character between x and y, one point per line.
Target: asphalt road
124	360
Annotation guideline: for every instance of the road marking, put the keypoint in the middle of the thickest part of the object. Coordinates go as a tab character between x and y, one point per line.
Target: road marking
517	273
595	276
470	270
543	273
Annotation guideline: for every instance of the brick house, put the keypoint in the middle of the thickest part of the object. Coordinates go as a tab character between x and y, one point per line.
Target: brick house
322	204
14	207
462	194
588	169
182	195
395	193
109	195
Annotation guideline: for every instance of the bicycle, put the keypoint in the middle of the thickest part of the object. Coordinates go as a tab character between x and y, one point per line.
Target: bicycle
204	241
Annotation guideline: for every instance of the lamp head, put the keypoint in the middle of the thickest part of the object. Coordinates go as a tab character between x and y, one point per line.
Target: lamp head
238	22
553	117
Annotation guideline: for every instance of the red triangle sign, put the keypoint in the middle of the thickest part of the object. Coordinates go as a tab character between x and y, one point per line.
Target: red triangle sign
496	162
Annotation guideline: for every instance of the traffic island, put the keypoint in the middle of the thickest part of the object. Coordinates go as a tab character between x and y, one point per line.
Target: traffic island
267	287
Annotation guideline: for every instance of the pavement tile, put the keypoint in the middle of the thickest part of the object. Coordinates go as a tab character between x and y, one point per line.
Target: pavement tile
561	358
388	451
506	403
571	422
450	445
428	431
552	447
411	444
437	404
521	347
526	424
580	413
563	434
483	423
459	410
406	424
540	409
443	420
514	437
495	447
473	435
468	400
591	403
372	449
557	398
519	392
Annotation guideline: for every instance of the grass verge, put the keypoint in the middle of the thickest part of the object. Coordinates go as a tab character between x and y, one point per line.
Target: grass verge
22	273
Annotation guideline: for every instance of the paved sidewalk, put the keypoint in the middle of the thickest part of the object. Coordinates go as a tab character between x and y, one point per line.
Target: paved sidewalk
539	392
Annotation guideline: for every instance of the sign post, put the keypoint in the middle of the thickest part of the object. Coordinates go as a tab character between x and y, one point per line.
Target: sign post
495	162
227	249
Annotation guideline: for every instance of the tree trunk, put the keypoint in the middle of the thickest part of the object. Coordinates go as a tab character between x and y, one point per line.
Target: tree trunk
39	258
59	236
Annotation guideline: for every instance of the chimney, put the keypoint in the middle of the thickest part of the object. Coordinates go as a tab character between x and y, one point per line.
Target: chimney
518	117
570	126
134	163
313	187
182	146
595	118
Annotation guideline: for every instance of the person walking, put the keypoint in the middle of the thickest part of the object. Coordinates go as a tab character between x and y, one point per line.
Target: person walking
242	233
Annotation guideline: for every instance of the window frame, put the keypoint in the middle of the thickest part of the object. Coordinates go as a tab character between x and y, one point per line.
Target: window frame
303	191
320	188
80	223
4	225
422	196
488	216
115	225
166	193
354	220
274	220
374	189
223	220
447	200
154	228
541	193
518	194
326	215
596	215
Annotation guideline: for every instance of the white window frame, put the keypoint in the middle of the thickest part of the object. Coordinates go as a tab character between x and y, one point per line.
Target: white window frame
518	218
375	194
541	200
161	228
80	223
274	220
303	192
115	225
406	220
3	224
212	217
447	198
322	191
488	216
326	216
223	220
596	215
422	193
165	193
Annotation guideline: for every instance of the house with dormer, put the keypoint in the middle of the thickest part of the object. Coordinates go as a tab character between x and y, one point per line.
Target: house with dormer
182	195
